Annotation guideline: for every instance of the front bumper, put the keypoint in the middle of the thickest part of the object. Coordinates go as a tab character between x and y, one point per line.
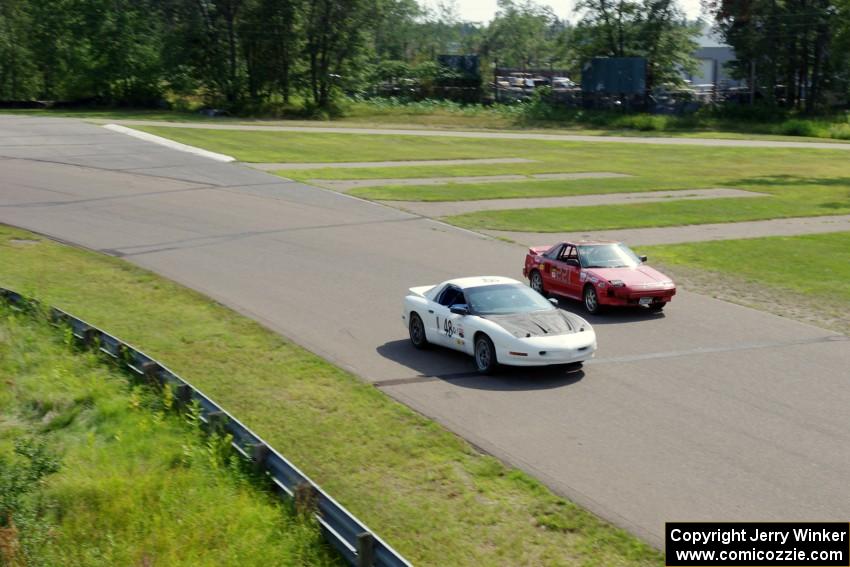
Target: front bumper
623	296
548	351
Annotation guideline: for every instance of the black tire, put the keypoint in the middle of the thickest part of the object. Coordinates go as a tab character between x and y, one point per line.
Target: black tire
656	307
417	332
535	281
591	300
484	355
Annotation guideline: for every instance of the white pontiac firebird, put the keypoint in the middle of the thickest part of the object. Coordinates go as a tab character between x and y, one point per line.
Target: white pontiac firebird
496	320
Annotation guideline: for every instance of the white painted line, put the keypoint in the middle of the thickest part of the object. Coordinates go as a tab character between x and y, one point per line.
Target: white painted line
168	143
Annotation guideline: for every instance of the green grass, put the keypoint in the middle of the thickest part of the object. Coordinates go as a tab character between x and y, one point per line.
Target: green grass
254	146
423	489
815	265
805	201
136	485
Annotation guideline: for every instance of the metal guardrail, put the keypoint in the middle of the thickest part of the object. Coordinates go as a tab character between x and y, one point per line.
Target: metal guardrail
357	544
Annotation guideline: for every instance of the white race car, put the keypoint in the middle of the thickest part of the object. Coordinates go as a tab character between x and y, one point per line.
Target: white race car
496	320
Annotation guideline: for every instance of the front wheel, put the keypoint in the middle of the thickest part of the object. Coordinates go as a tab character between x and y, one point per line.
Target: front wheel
417	332
591	300
485	355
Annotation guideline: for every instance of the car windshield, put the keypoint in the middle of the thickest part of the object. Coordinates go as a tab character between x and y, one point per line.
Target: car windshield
607	256
502	299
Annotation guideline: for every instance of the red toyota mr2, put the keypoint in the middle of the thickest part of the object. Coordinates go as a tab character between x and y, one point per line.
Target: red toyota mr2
599	273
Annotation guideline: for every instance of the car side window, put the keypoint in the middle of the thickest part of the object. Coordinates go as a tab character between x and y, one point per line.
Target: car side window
569	253
555	253
450	296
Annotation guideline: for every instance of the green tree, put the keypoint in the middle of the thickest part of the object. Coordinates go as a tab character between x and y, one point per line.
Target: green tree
654	29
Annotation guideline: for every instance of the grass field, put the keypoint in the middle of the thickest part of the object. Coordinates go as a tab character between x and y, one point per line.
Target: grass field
802	277
816	265
795	182
134	485
423	489
806	201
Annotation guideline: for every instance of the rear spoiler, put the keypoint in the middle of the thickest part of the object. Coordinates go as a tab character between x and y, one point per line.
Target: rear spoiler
537	250
420	290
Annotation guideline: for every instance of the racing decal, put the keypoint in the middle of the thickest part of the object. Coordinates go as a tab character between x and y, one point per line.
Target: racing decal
448	327
582	276
559	274
460	341
459	331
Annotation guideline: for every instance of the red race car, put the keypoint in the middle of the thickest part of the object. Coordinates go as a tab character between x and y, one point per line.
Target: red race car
599	273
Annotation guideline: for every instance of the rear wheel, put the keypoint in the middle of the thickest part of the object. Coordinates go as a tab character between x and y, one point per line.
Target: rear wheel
591	300
536	282
485	355
417	332
657	306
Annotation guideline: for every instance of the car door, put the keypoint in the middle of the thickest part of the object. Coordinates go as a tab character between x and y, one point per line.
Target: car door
447	325
550	270
572	269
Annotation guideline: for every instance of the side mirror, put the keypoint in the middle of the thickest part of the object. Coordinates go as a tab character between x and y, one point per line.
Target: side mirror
573	262
459	309
642	258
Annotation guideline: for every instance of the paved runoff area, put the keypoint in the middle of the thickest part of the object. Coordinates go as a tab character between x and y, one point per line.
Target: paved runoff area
349	184
446	208
370	164
710	411
690	233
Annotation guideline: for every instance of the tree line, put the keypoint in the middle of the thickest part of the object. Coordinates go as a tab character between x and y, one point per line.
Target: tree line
238	53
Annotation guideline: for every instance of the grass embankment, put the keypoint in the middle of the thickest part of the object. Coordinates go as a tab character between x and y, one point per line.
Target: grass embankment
423	489
133	484
805	277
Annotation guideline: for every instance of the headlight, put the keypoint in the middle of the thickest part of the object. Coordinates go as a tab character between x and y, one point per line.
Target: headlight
618	283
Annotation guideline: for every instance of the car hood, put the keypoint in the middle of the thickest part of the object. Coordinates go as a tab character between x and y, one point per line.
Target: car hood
540	323
638	276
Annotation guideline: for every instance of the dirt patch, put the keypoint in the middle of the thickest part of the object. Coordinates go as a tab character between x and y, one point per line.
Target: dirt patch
758	296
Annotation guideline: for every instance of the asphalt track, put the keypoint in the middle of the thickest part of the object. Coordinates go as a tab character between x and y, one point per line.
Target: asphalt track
709	412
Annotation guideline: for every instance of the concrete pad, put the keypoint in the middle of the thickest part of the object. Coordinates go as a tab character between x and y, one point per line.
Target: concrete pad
344	185
690	233
368	164
447	208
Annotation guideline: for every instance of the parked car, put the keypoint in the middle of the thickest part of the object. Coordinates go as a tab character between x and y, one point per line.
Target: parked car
496	320
598	273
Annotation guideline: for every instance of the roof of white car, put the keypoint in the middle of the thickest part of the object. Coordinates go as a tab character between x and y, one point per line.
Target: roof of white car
477	281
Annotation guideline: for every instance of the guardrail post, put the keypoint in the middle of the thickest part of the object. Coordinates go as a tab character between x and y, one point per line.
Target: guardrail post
90	337
259	452
151	371
365	550
216	421
183	395
306	498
